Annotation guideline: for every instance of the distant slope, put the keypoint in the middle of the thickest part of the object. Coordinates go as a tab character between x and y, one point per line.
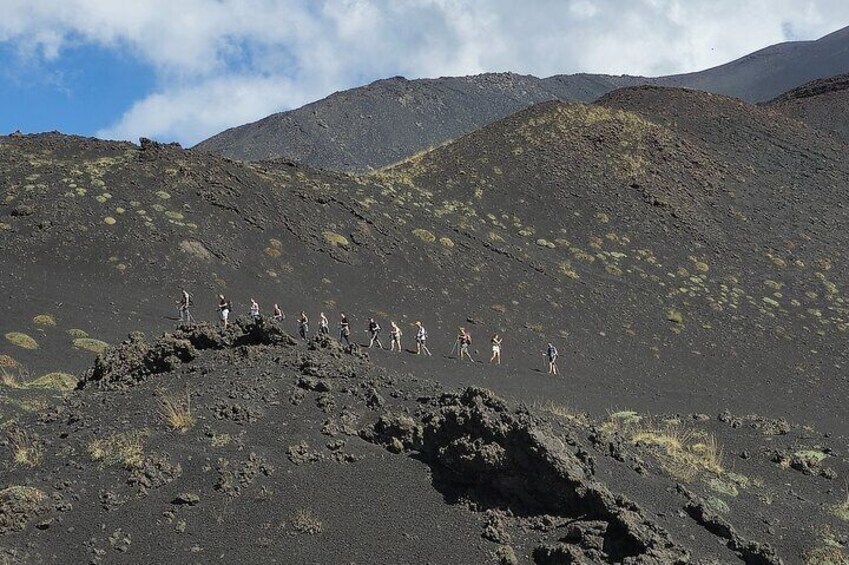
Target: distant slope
767	73
389	120
822	104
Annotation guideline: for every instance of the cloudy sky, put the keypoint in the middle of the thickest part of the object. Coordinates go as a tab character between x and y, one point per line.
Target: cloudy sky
186	69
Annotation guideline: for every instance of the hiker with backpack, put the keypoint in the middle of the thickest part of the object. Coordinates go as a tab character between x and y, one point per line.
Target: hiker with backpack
464	338
551	353
374	333
344	328
323	324
183	306
421	339
278	314
303	325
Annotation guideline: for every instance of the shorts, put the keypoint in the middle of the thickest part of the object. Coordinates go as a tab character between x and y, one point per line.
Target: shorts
496	349
225	314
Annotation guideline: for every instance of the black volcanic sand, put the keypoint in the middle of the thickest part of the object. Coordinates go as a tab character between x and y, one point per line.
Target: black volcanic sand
311	454
685	252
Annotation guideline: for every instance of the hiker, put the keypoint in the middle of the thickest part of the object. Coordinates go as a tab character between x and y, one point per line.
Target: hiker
464	338
551	353
224	308
496	349
395	335
323	324
183	306
374	332
344	328
421	339
254	310
303	325
278	314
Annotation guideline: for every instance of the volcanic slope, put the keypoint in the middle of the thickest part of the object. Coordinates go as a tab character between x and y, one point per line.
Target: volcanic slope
390	120
822	104
683	251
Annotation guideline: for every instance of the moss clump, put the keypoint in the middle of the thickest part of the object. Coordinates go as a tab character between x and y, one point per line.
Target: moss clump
336	240
424	235
44	320
109	220
446	242
545	243
54	381
89	344
161	194
275	243
675	316
272	252
7	362
77	333
21	340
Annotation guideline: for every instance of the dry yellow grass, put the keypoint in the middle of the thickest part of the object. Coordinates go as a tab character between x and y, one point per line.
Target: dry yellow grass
25	448
126	448
176	410
683	453
7	362
336	240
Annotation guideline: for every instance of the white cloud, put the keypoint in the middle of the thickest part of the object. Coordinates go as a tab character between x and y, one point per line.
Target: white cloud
221	63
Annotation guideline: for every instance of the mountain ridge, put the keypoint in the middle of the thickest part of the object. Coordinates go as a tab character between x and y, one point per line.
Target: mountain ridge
381	123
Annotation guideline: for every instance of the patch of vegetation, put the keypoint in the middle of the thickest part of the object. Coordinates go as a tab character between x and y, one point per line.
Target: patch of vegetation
161	194
126	449
842	510
336	240
424	235
569	271
25	447
305	522
109	220
22	340
7	362
827	556
54	381
675	316
76	333
92	345
44	320
684	454
177	410
812	457
446	242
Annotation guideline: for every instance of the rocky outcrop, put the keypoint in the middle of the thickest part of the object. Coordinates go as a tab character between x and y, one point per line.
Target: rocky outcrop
136	359
482	452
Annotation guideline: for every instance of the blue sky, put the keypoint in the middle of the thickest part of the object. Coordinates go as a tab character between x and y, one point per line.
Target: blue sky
186	69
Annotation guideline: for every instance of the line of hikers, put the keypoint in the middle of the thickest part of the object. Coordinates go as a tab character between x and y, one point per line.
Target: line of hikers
461	344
